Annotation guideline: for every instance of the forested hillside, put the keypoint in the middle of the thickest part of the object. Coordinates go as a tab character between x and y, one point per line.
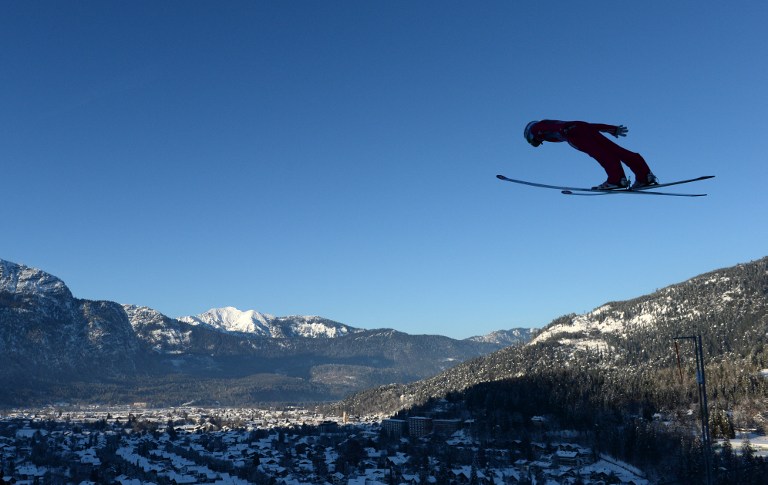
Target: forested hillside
623	353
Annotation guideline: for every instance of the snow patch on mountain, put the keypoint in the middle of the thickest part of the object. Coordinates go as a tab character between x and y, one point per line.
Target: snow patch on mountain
605	319
313	327
506	337
585	344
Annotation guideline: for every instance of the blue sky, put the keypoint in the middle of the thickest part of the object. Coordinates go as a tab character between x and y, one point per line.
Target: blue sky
339	158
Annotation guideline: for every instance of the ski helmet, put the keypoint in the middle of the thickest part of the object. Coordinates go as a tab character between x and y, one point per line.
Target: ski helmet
530	137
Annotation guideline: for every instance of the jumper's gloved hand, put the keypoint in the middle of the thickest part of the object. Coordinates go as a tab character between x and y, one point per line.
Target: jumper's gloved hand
621	130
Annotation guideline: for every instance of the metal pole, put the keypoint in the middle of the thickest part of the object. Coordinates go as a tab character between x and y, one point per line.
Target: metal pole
703	405
704	410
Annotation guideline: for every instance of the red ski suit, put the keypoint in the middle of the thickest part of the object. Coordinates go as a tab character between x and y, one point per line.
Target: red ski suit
587	137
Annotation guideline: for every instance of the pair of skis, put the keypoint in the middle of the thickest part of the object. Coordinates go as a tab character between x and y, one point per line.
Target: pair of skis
648	190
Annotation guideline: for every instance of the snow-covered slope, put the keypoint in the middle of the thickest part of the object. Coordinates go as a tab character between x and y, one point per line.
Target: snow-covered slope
230	319
730	291
163	334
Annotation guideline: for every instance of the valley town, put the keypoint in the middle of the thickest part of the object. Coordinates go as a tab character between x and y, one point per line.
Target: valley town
133	445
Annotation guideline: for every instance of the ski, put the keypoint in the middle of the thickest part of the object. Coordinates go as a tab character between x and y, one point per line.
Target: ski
546	186
678	182
648	190
625	191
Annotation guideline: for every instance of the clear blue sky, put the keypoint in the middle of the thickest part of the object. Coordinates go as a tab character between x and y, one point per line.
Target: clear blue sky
339	158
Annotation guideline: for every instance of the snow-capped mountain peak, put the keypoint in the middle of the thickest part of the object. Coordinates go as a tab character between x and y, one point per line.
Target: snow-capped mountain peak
231	319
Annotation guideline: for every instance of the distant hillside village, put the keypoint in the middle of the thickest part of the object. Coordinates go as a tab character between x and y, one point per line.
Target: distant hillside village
133	446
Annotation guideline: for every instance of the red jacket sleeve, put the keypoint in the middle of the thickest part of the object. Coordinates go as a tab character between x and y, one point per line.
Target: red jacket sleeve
610	129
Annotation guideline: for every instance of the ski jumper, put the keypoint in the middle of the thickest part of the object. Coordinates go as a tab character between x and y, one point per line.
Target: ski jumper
587	138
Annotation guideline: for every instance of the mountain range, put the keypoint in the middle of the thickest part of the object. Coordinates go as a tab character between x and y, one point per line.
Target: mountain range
56	346
59	347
